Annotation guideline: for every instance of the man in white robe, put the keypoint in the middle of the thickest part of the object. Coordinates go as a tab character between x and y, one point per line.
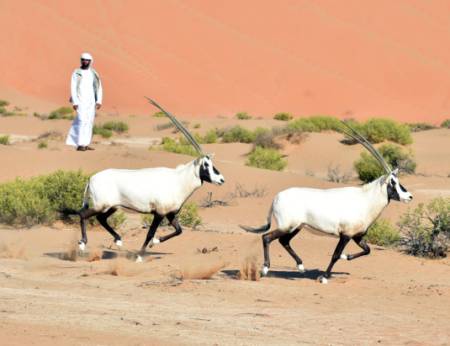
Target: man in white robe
86	97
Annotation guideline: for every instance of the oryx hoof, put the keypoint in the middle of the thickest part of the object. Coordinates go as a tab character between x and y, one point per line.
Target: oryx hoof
82	245
301	268
323	280
154	241
344	257
264	271
139	259
118	242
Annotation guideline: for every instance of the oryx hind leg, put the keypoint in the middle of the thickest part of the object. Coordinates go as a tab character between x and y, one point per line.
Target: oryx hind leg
343	241
85	214
267	239
285	242
362	244
103	220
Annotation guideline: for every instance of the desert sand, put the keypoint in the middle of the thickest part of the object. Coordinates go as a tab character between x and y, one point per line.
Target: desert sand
204	61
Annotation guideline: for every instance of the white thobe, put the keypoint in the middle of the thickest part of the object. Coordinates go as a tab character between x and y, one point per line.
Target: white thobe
80	133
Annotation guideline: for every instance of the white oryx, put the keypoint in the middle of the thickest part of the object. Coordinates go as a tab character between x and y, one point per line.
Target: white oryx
345	212
160	191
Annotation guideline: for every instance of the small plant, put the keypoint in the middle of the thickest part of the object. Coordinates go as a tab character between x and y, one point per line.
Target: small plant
241	192
369	169
159	115
165	126
105	133
446	124
417	127
266	158
243	116
4	103
42	145
382	233
210	137
169	144
197	126
116	126
4	140
335	175
50	135
316	123
283	116
265	138
62	113
427	229
238	134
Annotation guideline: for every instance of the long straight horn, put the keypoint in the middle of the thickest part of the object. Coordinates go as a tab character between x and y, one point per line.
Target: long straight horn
366	144
179	126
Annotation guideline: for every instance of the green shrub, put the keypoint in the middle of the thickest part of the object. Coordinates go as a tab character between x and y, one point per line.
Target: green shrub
105	133
39	199
42	145
188	216
369	169
4	103
283	116
62	113
266	158
159	115
243	116
417	127
382	233
427	229
115	220
116	126
4	140
210	137
379	130
238	134
316	123
169	144
197	126
446	124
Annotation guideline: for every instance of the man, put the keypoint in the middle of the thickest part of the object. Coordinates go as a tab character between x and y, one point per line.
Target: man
86	97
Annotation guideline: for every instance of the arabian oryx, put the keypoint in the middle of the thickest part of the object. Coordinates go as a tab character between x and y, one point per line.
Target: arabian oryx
160	191
345	212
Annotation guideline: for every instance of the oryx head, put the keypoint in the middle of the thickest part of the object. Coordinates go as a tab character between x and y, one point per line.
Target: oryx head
205	169
390	180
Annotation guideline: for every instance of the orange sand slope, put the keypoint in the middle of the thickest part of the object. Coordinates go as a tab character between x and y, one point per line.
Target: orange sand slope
204	58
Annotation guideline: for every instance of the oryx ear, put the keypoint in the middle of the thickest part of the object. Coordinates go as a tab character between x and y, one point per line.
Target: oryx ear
210	155
395	172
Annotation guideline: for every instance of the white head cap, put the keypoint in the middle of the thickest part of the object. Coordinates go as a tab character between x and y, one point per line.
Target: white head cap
86	56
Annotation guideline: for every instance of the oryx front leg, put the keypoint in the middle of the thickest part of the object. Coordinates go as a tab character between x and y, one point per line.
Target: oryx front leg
267	239
285	242
343	241
103	220
150	234
172	217
363	245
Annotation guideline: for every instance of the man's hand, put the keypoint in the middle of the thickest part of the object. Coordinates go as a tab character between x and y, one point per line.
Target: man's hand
98	106
75	107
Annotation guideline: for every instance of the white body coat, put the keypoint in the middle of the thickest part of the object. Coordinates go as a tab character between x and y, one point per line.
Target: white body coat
162	190
349	211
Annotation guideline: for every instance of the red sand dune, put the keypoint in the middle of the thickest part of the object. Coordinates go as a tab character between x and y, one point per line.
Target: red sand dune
204	58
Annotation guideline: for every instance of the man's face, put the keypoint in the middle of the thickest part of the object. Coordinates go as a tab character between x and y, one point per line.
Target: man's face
85	63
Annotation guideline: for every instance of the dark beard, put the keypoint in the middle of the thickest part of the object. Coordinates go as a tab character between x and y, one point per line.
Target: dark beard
85	67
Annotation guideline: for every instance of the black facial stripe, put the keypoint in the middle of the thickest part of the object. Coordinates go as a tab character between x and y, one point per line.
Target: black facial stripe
204	174
392	192
216	171
402	188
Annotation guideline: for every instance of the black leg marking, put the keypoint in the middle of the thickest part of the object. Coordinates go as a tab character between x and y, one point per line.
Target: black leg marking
363	245
343	241
285	240
151	231
103	219
267	239
172	217
84	215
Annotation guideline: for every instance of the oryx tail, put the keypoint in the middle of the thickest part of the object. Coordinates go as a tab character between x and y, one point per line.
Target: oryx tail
263	228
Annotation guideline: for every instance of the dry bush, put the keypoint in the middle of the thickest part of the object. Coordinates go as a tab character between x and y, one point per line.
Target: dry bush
51	135
208	202
335	175
241	192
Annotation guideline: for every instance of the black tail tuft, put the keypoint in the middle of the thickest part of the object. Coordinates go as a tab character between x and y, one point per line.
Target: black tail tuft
261	229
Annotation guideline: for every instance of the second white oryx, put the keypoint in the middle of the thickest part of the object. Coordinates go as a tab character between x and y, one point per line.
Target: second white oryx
160	191
345	212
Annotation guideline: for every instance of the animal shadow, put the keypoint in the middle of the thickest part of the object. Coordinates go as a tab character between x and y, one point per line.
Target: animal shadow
105	255
312	274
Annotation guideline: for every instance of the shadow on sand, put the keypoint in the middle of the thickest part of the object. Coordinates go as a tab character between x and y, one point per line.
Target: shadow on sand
104	255
312	274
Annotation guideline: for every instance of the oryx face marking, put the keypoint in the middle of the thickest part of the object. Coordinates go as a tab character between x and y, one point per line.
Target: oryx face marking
208	172
397	191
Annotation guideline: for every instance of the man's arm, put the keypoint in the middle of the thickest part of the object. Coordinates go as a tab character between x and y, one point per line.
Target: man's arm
99	94
73	91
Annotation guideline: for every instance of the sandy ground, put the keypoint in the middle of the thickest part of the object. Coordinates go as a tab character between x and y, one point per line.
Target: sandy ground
203	58
49	295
